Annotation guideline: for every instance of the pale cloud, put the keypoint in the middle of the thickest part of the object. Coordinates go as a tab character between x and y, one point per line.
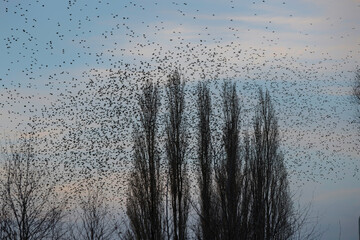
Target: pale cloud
338	194
344	9
295	23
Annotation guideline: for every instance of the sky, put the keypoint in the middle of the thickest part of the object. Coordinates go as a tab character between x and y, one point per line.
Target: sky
58	54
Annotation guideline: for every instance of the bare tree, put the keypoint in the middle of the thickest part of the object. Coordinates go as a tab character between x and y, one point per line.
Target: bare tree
228	172
272	215
356	92
357	85
144	206
246	203
95	221
205	163
29	209
176	147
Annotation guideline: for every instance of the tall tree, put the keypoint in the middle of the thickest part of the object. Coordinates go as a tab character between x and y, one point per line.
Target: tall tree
246	203
228	172
176	148
272	207
356	92
357	85
144	206
29	208
204	161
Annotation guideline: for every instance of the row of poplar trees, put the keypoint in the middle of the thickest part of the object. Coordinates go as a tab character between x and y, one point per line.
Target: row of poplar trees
242	190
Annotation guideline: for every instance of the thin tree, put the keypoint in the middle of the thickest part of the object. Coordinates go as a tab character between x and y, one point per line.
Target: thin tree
144	205
357	85
95	221
204	161
246	202
29	210
356	91
228	172
176	148
272	215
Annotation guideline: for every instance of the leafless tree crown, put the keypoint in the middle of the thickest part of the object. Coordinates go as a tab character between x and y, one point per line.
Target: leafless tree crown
144	206
176	149
29	210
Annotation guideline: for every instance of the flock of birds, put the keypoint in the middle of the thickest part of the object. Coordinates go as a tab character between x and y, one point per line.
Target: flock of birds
71	73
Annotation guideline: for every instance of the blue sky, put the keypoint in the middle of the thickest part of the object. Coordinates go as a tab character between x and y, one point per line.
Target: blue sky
305	52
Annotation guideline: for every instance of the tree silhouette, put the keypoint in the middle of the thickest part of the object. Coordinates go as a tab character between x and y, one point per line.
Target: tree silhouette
176	148
357	85
243	187
205	162
95	222
356	91
29	208
228	171
272	207
144	206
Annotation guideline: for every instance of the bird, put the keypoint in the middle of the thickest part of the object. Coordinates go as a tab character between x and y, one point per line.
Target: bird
72	72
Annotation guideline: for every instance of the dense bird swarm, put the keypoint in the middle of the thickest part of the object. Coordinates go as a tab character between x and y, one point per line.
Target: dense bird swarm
72	72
